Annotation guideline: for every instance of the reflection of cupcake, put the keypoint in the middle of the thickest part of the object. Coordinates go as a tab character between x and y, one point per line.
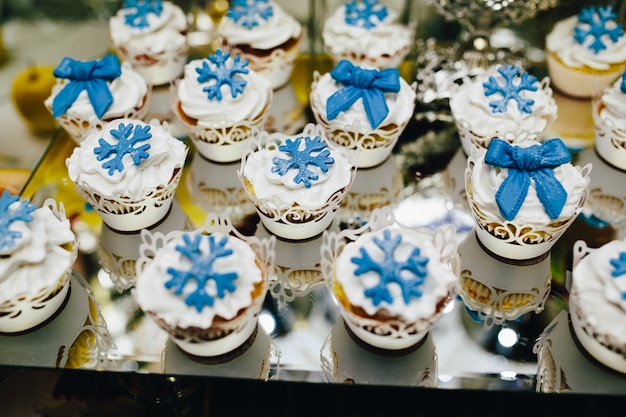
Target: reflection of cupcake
205	289
502	103
220	101
363	109
524	196
152	36
296	184
366	33
38	251
265	35
128	172
609	108
585	53
598	303
89	94
391	283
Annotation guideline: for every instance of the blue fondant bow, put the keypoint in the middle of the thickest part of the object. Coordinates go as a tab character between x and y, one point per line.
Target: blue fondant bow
91	76
368	84
536	162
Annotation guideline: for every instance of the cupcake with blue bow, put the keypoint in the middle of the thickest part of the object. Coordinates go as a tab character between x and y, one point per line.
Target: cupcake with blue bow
89	94
524	196
363	109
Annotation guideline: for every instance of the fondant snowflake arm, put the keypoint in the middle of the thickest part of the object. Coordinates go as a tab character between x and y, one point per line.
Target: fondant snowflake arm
597	27
619	265
245	12
7	217
139	16
125	145
364	14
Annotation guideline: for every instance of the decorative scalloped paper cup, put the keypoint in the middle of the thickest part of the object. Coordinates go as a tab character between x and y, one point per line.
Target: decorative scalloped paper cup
222	140
156	68
610	141
389	60
292	221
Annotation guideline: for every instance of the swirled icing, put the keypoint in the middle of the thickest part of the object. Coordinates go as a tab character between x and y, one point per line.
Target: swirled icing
154	297
614	110
561	42
400	104
166	154
40	256
270	33
387	38
486	180
165	32
469	103
229	110
129	92
437	285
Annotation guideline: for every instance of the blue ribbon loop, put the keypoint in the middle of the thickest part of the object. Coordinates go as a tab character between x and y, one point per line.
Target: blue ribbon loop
535	162
91	76
368	84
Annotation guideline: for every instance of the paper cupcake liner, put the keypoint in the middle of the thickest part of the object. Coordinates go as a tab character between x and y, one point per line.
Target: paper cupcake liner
610	141
130	214
515	240
156	68
276	65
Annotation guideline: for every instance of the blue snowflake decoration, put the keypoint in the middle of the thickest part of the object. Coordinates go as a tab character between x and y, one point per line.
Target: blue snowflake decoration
249	13
365	13
315	153
619	265
597	19
511	89
138	16
622	85
202	271
9	216
390	270
222	74
125	145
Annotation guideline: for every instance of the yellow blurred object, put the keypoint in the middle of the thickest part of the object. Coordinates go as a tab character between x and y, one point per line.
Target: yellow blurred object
30	88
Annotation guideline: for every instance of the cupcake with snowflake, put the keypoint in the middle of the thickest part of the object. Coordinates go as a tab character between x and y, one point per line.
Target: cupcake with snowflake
89	94
609	108
129	172
586	52
152	36
221	101
392	283
38	250
296	183
362	109
265	35
367	33
524	196
205	288
504	102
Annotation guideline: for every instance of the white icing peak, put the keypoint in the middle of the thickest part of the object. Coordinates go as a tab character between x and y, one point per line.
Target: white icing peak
360	279
614	100
155	295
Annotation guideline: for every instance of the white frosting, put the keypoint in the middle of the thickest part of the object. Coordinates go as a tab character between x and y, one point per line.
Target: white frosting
154	297
561	42
599	295
486	180
37	260
270	33
129	92
469	103
166	153
228	111
438	282
388	37
614	111
400	104
280	191
165	32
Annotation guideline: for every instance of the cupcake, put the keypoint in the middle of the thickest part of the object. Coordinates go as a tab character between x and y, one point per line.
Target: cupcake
391	283
366	33
152	36
363	109
504	102
263	34
38	250
524	196
221	101
205	289
128	172
609	108
598	303
89	94
296	183
587	52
